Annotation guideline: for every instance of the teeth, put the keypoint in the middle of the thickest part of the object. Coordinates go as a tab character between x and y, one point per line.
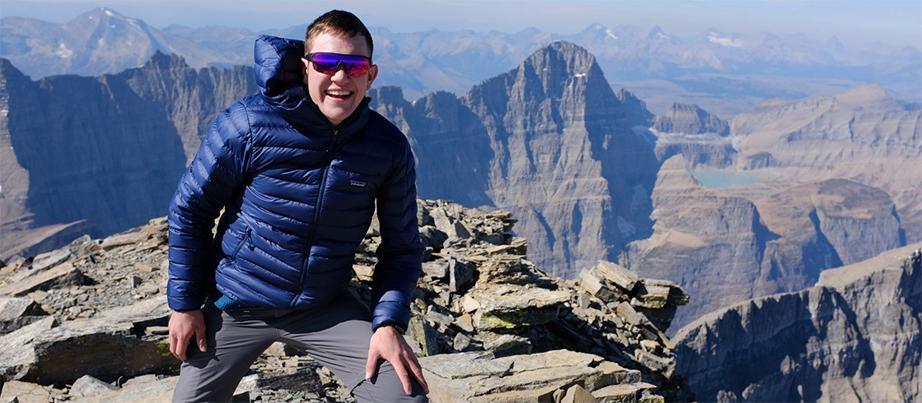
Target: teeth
336	93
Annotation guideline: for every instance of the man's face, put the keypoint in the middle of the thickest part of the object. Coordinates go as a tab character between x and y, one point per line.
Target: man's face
338	95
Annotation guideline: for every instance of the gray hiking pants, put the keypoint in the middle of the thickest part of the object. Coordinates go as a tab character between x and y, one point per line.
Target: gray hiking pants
336	335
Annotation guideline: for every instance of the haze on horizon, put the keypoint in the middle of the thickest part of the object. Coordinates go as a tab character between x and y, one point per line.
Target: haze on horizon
856	23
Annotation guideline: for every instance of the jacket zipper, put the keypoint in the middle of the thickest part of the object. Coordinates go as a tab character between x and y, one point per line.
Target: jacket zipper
246	238
323	180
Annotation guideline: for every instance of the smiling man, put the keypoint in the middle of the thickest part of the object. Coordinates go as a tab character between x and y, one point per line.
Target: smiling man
299	169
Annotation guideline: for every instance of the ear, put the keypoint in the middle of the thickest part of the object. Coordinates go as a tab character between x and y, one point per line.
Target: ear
304	67
372	74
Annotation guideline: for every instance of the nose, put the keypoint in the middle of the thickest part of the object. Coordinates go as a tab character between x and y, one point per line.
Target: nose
340	74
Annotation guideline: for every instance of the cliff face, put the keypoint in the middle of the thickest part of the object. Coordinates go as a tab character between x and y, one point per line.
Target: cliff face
559	150
107	150
190	98
451	145
690	119
852	337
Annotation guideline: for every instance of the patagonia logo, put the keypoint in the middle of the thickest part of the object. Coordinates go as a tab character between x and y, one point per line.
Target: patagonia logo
357	183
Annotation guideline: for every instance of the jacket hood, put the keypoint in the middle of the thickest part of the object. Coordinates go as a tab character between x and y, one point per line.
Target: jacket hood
281	83
278	69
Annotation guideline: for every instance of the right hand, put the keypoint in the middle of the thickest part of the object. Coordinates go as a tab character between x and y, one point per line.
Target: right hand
183	326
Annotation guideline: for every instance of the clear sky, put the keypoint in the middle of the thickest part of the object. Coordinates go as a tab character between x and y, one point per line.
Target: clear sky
853	21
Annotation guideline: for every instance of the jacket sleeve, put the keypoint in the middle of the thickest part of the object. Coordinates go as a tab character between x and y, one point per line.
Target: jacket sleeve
400	254
213	177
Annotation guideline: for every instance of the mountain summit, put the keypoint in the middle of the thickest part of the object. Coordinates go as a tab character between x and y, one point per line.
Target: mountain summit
556	146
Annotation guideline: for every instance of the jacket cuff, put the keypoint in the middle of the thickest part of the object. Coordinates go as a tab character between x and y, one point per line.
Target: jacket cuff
185	303
391	312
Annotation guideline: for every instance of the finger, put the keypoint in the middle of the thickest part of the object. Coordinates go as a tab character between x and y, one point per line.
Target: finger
202	343
173	346
402	375
417	371
182	343
371	365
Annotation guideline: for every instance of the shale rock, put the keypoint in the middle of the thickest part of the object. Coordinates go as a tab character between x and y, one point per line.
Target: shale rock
18	312
479	303
480	377
106	347
24	392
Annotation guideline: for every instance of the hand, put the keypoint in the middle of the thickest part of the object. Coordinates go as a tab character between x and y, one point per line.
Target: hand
388	344
184	325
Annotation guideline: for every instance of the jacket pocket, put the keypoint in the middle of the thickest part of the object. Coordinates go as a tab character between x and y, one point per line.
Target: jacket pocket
244	241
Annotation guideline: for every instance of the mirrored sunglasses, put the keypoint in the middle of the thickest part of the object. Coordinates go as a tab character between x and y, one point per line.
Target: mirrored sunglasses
329	63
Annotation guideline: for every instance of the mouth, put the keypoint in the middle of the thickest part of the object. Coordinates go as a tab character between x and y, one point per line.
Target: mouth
338	94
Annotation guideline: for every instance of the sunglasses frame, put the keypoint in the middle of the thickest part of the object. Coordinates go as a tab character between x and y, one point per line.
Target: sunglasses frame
341	63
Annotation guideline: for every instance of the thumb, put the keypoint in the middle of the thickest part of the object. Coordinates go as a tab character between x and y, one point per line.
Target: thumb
371	364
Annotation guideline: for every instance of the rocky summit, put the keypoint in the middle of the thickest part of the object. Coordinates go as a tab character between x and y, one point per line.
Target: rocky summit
87	322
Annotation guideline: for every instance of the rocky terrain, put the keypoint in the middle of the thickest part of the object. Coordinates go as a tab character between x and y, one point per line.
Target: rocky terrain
852	337
87	323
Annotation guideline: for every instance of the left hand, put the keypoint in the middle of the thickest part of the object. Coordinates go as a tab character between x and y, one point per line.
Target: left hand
388	344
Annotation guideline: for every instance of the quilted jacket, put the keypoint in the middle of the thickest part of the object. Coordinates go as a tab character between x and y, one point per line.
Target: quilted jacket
298	197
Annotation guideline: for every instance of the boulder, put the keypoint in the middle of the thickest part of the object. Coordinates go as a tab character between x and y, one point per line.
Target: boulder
511	307
17	312
24	392
508	344
50	259
62	275
481	377
151	391
106	347
608	281
88	386
16	350
460	274
578	394
114	241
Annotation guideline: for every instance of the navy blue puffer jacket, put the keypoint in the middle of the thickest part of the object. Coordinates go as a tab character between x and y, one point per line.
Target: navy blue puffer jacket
298	197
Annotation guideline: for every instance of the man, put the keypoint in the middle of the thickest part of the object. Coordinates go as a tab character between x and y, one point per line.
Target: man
298	170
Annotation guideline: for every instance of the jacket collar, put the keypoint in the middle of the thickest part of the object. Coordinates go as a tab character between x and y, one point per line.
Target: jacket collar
280	78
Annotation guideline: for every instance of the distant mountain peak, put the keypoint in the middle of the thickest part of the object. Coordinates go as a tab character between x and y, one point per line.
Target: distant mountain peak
596	27
600	32
730	41
657	33
690	119
562	56
165	61
102	13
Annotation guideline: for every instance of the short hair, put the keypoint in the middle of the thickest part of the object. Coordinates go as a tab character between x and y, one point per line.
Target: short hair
338	22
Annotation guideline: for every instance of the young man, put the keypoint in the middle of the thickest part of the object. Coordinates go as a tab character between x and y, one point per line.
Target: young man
298	170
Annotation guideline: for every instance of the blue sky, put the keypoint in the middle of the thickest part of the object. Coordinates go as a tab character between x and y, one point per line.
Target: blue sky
897	23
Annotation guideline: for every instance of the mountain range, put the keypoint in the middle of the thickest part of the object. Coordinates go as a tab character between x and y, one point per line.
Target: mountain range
724	72
591	173
763	203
